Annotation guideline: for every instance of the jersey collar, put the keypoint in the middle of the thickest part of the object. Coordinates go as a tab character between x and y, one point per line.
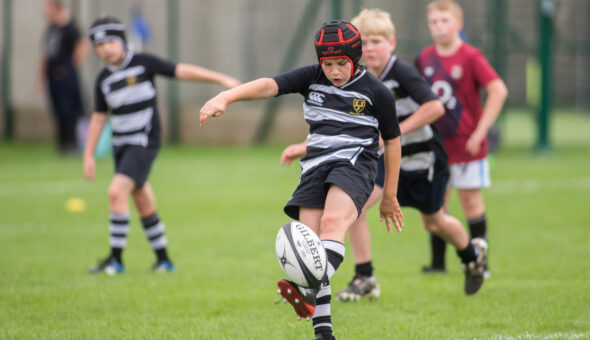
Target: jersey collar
124	64
387	68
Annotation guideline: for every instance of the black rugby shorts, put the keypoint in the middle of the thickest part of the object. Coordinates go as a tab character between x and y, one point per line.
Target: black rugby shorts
134	161
417	192
314	184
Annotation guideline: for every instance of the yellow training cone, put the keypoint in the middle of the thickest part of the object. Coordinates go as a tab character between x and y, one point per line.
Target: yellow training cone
75	204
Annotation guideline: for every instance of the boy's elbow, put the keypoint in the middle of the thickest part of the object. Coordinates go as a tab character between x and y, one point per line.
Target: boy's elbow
271	88
504	91
499	89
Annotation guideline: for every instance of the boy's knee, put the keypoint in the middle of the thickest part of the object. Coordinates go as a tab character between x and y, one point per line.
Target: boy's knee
432	227
115	194
330	224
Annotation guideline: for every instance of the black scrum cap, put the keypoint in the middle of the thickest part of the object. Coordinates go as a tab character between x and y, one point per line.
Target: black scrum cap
339	39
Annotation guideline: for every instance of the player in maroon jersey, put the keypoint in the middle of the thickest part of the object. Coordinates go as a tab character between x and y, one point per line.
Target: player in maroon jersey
457	73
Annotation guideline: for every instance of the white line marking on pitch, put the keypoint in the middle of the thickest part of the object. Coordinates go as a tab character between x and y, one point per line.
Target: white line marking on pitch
530	186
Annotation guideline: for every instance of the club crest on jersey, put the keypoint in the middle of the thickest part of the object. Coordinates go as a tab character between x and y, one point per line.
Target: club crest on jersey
358	105
456	72
316	98
132	80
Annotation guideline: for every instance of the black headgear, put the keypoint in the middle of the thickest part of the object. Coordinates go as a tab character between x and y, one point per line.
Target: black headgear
339	39
107	28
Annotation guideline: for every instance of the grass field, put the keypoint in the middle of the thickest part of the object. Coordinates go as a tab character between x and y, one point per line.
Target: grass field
223	206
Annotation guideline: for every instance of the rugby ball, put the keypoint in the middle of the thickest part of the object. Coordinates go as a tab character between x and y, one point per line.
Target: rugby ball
301	254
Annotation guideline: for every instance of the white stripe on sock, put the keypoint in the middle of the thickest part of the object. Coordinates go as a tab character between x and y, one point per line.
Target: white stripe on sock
119	229
119	216
334	246
118	242
159	243
324	291
154	230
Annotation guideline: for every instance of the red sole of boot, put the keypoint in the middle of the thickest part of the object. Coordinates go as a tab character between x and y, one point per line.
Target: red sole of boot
290	293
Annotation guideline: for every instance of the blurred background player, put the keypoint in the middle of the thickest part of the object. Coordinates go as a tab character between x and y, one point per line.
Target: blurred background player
63	51
424	171
346	108
125	88
457	72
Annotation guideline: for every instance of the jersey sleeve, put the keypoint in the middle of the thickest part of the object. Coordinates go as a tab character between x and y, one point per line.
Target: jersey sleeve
100	104
483	71
297	80
157	65
413	83
386	114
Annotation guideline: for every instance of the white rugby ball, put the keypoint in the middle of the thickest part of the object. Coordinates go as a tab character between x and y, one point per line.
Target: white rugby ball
301	254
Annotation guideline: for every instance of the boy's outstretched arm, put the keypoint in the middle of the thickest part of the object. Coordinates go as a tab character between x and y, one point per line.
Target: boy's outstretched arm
257	89
194	72
97	122
497	93
389	209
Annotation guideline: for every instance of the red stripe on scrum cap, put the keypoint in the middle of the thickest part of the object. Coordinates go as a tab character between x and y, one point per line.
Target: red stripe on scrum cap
340	37
321	37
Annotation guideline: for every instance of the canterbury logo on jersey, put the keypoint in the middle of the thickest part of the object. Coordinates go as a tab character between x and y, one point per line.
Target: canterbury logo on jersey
358	105
316	98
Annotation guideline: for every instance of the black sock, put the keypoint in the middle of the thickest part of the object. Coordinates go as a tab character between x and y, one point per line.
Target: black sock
478	227
468	254
154	230
116	254
439	248
365	269
162	255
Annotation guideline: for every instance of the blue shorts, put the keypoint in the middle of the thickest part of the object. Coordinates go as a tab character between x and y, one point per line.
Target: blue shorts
417	192
314	184
135	162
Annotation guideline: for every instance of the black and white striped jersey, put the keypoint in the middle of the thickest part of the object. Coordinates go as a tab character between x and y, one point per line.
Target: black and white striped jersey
344	122
423	153
129	93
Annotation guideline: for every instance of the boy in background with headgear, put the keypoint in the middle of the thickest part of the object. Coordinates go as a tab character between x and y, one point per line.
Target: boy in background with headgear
125	89
458	72
346	108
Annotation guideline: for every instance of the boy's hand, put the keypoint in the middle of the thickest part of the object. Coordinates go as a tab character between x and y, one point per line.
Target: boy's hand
214	107
89	167
473	145
292	152
390	211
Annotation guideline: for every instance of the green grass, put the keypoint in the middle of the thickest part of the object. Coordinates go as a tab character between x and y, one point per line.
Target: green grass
222	208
